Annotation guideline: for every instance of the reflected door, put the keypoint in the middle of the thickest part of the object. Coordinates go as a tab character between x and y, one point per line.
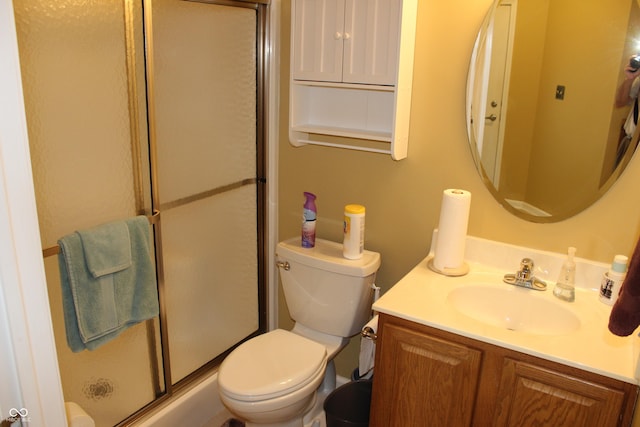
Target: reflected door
495	109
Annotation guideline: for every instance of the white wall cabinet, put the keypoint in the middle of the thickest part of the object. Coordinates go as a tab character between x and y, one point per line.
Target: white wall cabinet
347	41
351	73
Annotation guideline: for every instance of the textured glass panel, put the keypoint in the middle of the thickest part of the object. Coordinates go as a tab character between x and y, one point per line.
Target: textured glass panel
113	381
211	283
75	82
205	95
74	75
205	102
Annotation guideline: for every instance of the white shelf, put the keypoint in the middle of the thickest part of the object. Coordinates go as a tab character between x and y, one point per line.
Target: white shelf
344	132
353	112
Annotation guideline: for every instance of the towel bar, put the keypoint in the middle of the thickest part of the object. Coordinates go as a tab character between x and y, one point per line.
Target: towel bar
350	147
55	250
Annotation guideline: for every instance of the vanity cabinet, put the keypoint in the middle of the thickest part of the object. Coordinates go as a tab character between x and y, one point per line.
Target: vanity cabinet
428	377
351	73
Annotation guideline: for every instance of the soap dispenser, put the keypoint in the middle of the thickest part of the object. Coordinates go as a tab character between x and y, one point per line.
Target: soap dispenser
565	286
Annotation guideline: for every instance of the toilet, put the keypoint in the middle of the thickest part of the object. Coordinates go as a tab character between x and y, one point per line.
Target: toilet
274	378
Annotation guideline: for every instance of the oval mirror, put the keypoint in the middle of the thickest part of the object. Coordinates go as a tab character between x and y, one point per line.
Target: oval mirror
543	126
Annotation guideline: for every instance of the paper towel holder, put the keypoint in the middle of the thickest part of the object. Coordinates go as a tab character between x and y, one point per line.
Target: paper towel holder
452	272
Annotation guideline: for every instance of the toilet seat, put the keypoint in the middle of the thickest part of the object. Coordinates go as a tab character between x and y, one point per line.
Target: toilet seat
271	365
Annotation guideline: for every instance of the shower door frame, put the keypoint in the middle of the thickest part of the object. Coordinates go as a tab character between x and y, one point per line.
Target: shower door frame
37	384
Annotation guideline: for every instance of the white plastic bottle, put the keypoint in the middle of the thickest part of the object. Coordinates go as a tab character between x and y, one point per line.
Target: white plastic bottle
353	227
565	286
612	280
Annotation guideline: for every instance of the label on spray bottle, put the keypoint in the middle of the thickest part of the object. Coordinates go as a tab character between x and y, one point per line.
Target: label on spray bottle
308	228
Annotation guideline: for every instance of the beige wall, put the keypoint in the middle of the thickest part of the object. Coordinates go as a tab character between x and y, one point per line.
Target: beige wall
403	198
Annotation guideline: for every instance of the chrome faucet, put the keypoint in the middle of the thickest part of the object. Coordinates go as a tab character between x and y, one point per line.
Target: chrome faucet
525	278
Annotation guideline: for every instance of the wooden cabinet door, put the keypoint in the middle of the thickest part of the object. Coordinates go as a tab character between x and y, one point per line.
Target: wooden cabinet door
534	396
422	380
371	42
317	39
346	41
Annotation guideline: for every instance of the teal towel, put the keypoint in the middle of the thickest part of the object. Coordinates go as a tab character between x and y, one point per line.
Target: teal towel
108	281
107	248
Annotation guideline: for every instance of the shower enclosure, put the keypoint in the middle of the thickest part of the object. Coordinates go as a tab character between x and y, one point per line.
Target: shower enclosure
152	107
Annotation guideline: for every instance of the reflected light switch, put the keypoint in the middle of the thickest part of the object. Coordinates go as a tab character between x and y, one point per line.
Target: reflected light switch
560	92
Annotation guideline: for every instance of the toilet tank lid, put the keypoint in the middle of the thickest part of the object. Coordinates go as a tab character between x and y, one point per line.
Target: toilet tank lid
327	255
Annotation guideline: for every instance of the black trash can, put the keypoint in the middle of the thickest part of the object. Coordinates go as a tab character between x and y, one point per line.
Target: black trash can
349	404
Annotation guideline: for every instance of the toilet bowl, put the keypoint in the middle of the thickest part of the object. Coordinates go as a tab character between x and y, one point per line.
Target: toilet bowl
272	379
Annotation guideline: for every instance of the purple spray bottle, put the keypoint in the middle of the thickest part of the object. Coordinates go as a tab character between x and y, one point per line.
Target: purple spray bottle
309	213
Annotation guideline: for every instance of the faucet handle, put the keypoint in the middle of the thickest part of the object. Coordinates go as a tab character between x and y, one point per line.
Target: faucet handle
526	269
525	278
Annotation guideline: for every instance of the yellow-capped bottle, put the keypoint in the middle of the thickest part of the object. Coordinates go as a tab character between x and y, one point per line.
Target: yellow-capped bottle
353	227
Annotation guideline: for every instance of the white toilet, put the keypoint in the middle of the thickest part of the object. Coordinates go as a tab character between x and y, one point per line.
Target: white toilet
272	379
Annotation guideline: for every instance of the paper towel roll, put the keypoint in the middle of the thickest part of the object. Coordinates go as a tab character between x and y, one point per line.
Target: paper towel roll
452	232
77	417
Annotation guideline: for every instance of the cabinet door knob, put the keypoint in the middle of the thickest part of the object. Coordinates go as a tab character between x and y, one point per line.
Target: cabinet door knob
337	35
347	36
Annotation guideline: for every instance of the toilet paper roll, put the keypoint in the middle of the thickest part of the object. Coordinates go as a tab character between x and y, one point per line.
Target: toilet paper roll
368	349
452	233
77	417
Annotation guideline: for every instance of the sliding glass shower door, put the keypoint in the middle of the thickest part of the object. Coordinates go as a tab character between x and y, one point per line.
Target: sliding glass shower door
203	69
74	66
151	107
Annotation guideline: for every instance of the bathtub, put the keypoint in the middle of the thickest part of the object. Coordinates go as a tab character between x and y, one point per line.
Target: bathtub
199	405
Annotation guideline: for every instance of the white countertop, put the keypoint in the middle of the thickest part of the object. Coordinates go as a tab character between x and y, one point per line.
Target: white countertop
422	297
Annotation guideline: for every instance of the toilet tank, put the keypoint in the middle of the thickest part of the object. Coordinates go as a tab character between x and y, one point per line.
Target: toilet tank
325	291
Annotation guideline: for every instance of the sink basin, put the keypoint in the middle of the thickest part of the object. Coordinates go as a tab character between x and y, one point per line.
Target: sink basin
514	309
